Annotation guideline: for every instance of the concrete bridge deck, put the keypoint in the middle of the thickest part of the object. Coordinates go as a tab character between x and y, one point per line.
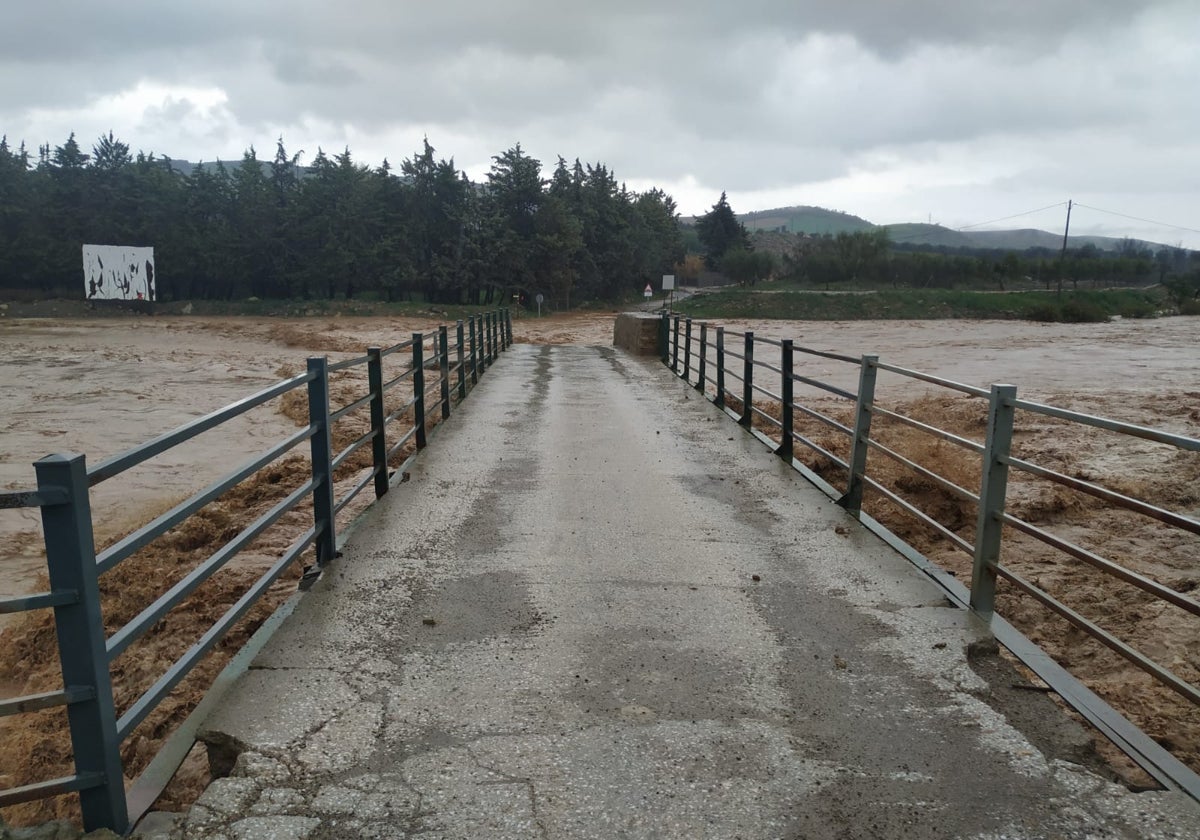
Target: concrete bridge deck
599	609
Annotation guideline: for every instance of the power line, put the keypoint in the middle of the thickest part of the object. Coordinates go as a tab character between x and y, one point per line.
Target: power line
922	234
1013	216
1137	218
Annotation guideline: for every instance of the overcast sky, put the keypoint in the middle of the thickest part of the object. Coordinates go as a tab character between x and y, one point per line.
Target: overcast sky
955	111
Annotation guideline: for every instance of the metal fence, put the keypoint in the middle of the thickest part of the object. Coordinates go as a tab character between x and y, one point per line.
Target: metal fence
442	369
700	353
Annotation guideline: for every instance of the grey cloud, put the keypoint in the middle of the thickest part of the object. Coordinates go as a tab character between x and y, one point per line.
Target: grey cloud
755	96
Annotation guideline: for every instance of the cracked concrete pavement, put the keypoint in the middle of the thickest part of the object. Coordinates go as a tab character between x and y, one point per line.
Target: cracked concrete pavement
555	630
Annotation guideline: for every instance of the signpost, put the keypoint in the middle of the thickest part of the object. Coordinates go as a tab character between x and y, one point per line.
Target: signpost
540	297
649	293
669	286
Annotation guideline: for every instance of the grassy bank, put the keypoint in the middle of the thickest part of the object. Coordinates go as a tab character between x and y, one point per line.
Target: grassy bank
917	304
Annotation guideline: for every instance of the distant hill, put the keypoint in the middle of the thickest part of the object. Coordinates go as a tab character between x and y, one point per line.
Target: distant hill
816	220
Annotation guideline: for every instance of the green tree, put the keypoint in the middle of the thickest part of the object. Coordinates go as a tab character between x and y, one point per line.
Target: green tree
720	231
746	267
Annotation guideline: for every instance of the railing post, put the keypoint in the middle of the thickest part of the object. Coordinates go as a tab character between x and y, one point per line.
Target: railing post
860	445
701	384
474	353
747	418
495	336
71	558
687	348
786	411
444	358
720	400
503	321
419	388
379	441
508	322
664	338
992	492
462	371
675	351
321	448
486	326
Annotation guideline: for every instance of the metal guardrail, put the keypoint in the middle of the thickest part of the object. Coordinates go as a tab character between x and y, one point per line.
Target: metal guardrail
690	359
62	495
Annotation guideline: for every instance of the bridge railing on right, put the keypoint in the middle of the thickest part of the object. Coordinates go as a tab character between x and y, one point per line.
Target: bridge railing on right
754	379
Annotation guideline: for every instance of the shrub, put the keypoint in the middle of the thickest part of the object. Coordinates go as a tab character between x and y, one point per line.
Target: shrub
1077	311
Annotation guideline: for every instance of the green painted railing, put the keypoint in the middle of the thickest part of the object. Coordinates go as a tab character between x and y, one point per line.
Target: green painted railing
441	372
764	364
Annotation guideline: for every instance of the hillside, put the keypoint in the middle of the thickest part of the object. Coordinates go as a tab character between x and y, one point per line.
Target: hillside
816	220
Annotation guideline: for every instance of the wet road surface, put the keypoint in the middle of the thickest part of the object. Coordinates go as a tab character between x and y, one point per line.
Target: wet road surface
599	609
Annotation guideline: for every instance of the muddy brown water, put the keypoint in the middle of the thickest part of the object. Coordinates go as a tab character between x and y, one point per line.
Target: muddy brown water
101	386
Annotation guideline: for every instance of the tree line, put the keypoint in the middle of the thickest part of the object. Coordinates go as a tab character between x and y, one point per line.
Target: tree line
333	228
869	258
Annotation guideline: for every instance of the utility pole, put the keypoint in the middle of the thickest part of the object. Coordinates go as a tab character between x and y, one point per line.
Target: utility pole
1063	256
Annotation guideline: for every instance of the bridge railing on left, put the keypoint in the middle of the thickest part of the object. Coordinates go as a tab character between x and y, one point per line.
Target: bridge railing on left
395	394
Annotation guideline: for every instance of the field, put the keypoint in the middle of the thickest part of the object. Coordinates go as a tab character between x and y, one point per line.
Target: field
99	386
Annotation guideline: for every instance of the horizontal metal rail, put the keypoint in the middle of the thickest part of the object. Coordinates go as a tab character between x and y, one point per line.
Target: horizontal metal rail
352	407
351	449
349	497
1105	565
395	348
732	354
334	367
398	444
46	700
773	421
965	443
1134	656
820	450
10	500
148	617
391	418
825	354
39	601
823	418
935	380
945	483
774	342
773	368
158	526
766	392
391	383
824	386
119	463
54	787
1158	436
183	666
955	539
1185	523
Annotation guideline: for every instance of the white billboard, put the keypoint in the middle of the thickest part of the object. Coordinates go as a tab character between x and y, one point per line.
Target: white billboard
118	272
